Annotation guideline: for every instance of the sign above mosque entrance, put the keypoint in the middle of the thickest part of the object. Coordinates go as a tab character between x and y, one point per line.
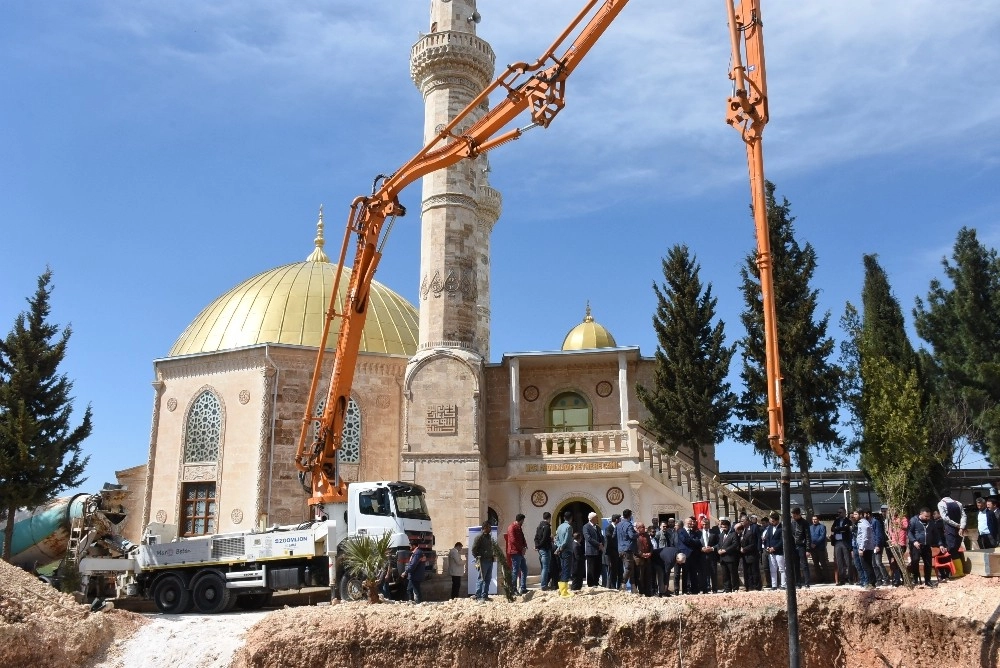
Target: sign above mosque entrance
572	466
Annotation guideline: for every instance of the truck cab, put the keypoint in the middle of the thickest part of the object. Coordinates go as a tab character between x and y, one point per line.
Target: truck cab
377	508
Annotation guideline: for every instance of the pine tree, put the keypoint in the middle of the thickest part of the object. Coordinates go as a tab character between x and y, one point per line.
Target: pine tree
810	386
901	442
40	452
690	401
962	325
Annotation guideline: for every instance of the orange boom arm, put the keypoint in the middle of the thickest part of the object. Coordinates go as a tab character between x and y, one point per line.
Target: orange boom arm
538	88
747	113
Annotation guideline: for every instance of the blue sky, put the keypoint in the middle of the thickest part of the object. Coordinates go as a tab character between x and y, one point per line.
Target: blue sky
155	154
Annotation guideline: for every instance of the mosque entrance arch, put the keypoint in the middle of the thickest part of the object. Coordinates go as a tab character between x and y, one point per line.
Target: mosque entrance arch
579	508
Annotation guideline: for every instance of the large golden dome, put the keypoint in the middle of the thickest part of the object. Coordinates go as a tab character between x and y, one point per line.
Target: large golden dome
588	335
287	305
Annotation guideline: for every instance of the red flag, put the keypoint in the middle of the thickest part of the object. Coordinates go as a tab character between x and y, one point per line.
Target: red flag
701	508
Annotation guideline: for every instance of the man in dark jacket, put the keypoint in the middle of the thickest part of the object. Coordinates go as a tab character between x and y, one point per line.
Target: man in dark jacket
920	537
775	549
593	548
689	541
414	574
710	537
800	538
728	551
841	532
611	553
543	545
750	549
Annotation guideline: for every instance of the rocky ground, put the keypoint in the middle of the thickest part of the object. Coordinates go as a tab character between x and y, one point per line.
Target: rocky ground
954	624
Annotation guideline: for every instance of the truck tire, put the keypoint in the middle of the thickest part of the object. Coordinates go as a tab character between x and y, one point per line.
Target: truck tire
351	588
253	601
171	596
210	594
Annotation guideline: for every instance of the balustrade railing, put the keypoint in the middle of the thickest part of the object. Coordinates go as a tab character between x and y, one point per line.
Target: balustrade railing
636	444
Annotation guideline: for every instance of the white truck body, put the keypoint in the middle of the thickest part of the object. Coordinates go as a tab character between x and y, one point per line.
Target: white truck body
244	568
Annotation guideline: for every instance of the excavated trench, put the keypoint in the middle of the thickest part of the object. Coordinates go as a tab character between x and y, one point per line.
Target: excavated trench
954	625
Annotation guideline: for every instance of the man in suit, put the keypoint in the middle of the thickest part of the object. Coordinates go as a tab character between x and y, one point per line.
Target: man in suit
710	538
775	549
611	553
690	542
593	548
750	549
728	552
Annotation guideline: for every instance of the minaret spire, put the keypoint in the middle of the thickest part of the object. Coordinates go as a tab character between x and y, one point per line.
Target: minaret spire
318	255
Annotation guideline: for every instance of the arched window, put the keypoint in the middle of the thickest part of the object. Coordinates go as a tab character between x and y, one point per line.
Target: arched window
569	412
203	433
350	443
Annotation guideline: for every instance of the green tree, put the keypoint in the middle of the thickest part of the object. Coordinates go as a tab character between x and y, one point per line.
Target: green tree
901	444
365	558
690	401
40	452
811	381
962	325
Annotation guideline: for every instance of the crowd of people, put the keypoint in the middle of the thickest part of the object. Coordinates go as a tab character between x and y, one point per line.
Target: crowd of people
700	555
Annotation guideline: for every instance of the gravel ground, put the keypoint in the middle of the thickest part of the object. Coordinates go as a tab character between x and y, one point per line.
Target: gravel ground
954	624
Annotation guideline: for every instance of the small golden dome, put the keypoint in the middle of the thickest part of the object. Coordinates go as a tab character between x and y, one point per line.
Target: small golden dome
588	335
287	305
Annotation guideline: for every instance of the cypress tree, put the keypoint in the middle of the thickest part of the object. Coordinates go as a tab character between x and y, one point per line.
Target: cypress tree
902	445
40	452
690	401
962	325
810	386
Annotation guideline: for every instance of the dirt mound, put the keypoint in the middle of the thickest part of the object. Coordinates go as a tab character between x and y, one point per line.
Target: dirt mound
953	624
42	627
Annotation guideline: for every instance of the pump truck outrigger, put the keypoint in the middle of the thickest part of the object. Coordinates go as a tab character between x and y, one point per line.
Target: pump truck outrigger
213	573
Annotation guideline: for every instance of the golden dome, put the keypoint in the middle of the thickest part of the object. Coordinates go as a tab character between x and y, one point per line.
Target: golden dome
287	305
588	335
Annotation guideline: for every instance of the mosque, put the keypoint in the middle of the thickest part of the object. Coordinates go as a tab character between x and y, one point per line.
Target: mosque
547	430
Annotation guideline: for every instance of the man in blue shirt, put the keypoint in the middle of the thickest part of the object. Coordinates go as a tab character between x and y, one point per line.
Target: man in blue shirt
564	549
627	536
414	574
817	546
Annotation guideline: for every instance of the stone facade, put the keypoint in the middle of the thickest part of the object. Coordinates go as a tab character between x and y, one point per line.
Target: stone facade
262	391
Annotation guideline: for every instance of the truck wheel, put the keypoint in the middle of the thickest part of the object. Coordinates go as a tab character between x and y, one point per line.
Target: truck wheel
253	601
210	594
351	588
170	595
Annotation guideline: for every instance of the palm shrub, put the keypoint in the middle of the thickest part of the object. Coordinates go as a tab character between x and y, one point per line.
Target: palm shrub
364	557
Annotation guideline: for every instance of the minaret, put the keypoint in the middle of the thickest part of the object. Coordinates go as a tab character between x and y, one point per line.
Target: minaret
451	66
444	420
